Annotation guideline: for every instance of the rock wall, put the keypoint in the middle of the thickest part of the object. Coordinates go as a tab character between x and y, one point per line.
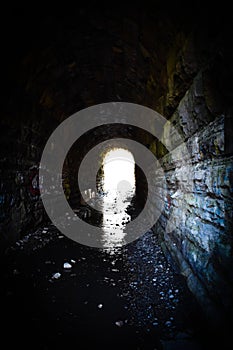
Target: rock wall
21	209
198	198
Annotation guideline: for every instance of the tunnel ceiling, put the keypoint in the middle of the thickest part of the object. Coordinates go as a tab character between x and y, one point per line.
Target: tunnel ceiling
61	61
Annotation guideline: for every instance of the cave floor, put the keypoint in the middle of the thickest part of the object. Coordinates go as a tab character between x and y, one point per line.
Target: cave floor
131	298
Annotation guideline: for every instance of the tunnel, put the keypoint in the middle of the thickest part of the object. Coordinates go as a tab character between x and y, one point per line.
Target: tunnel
170	286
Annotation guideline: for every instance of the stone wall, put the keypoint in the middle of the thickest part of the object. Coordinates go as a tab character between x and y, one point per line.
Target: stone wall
21	209
195	226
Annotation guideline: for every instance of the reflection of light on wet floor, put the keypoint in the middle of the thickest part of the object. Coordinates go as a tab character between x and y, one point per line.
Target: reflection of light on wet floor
119	188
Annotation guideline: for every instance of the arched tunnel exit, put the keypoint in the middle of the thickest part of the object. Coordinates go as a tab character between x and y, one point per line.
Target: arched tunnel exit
171	287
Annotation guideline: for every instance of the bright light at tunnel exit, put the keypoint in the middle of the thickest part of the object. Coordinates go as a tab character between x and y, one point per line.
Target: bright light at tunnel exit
119	170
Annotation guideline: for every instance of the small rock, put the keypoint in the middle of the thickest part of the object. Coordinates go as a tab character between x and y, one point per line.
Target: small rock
100	306
56	275
119	323
73	261
67	265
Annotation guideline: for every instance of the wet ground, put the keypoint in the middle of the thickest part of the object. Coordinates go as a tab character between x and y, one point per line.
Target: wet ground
132	299
60	294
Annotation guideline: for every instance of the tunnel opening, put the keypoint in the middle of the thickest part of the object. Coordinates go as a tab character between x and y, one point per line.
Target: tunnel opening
119	172
119	185
117	196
